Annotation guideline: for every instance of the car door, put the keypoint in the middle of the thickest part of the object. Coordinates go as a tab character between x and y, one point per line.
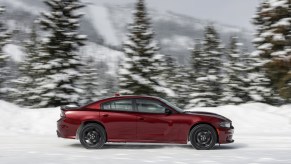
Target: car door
119	119
153	124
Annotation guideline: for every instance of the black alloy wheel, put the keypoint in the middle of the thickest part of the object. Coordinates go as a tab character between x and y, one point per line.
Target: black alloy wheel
92	136
203	137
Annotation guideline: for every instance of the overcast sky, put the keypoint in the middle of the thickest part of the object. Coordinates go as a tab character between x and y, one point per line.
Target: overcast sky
232	12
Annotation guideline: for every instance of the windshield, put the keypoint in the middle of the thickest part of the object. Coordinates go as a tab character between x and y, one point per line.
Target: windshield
172	106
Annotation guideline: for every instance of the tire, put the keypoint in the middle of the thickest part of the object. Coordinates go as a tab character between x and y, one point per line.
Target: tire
92	136
203	137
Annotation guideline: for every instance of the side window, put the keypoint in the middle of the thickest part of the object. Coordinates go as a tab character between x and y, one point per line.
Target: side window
118	105
149	106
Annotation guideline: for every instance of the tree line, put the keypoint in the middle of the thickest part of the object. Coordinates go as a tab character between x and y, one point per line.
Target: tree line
54	72
218	74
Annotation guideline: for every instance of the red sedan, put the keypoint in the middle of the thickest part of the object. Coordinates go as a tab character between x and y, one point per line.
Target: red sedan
142	119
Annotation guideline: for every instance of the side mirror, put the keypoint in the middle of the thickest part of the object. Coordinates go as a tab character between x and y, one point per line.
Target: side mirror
168	111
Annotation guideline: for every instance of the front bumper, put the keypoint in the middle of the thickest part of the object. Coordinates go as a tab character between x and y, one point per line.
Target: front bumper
225	135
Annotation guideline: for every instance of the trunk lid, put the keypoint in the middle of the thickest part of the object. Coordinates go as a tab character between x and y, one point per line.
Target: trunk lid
69	107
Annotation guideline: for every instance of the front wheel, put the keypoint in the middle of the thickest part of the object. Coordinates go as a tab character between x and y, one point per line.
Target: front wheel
203	137
92	136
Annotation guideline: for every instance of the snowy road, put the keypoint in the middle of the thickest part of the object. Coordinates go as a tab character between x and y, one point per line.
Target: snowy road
49	150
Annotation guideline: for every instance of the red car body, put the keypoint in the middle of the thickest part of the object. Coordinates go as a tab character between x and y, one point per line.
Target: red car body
138	126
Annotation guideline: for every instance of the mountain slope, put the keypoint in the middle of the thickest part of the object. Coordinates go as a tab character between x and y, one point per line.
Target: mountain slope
107	24
175	32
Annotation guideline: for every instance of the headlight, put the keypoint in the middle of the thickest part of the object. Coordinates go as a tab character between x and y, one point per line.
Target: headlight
225	124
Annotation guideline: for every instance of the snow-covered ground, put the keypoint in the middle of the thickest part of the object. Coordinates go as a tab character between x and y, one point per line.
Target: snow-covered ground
262	135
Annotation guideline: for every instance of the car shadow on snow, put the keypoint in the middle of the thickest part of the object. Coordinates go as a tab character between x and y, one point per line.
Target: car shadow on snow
161	146
230	146
129	146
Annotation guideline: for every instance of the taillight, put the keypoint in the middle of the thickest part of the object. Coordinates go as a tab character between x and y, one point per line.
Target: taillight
63	114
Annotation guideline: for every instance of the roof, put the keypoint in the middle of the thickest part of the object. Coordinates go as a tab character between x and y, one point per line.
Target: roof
130	96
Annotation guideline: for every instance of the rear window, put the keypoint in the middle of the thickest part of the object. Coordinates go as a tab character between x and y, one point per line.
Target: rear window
118	105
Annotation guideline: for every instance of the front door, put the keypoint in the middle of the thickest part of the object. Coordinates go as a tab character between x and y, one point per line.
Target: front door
153	124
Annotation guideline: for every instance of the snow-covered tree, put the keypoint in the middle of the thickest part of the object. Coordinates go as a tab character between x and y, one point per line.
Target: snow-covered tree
273	24
96	82
25	85
108	81
140	73
198	69
273	41
260	87
279	72
182	86
177	79
197	58
110	85
4	59
169	71
234	75
285	83
208	79
90	81
59	63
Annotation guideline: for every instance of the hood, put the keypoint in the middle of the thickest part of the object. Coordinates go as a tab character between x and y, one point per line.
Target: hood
208	114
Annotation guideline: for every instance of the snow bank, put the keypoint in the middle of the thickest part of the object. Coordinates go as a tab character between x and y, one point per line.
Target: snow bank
248	119
256	118
15	120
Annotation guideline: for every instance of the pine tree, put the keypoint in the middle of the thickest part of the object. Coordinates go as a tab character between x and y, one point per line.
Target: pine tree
177	79
259	89
182	86
285	83
108	81
4	59
234	75
273	29
59	63
261	27
110	86
207	89
90	81
279	72
25	84
273	43
197	58
142	66
169	73
197	68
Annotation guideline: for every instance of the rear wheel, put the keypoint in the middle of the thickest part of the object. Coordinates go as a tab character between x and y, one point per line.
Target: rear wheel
203	137
92	136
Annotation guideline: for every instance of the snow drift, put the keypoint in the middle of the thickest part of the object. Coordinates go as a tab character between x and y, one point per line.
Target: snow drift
21	121
248	119
261	136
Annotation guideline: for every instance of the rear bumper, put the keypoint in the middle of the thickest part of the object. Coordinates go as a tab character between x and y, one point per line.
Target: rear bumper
65	129
225	135
59	134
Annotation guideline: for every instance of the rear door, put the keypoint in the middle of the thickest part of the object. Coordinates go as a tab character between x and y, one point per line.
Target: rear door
153	124
119	119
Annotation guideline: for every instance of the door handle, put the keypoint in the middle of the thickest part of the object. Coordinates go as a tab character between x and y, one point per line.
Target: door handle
105	115
141	118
